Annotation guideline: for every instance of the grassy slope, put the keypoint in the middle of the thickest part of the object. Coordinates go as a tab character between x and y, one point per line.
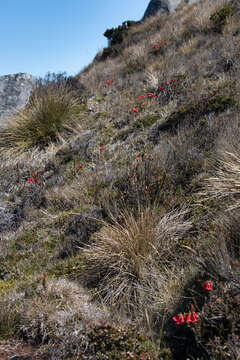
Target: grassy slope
122	233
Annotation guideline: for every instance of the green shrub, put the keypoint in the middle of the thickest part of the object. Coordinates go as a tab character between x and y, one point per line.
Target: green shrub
52	110
116	35
219	18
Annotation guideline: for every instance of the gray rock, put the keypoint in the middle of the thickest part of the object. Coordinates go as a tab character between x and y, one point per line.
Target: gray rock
156	7
14	93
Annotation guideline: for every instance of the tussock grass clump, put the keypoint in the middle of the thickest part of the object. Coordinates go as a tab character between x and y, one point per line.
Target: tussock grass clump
225	182
128	260
52	111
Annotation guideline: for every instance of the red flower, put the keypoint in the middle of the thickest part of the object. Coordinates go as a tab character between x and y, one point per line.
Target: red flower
79	166
208	285
30	180
179	319
187	318
167	82
141	97
109	82
101	148
135	110
171	81
150	95
194	317
161	88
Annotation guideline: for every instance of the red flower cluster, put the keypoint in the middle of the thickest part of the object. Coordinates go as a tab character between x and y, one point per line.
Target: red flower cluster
134	110
161	88
141	97
186	318
34	178
236	42
79	166
30	180
150	95
109	82
208	285
101	148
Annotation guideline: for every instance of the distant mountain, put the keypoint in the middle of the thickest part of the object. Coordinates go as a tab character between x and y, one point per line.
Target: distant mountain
14	93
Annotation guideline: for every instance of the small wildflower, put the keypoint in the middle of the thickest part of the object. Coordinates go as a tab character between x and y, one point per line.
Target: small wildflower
161	88
101	148
79	166
171	81
134	110
150	95
167	82
208	285
30	180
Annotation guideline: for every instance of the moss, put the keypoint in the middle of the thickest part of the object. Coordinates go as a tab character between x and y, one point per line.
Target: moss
219	18
146	121
6	285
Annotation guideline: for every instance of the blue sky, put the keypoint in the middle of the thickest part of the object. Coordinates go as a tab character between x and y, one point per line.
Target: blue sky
38	36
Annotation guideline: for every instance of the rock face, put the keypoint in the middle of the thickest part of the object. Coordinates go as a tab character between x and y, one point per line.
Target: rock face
155	7
14	93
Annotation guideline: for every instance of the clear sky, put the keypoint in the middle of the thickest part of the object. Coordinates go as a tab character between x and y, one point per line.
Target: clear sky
40	36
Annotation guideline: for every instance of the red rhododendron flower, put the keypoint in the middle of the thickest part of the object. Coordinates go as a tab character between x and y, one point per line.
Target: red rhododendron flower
208	285
31	180
135	110
167	82
161	88
141	97
79	166
150	95
101	148
194	317
171	81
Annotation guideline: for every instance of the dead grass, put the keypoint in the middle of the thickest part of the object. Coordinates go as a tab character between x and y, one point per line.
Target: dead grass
128	261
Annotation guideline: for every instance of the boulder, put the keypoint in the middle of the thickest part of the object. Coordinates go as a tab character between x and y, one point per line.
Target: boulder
14	93
155	7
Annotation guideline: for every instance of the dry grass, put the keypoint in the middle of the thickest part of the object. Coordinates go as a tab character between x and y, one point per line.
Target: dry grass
129	261
225	183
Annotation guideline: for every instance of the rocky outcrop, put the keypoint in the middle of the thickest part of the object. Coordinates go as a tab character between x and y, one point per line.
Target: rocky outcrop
155	7
14	93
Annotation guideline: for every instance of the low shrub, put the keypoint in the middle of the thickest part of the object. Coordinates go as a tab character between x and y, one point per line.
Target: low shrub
219	18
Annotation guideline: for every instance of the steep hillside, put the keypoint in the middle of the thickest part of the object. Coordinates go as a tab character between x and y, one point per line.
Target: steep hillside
119	198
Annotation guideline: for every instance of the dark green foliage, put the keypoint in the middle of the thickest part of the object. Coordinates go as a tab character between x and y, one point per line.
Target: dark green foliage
116	35
219	18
